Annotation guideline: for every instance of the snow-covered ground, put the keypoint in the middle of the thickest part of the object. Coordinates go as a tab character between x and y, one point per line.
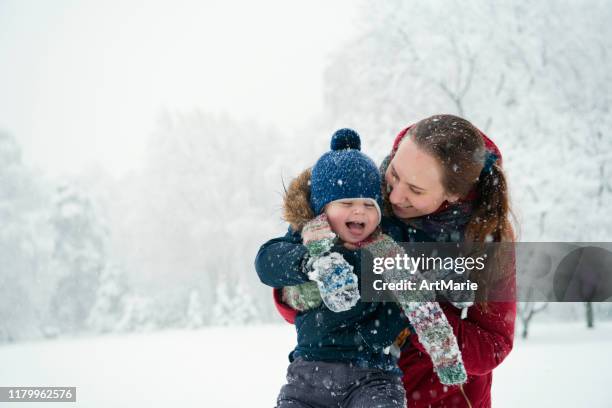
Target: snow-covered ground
561	365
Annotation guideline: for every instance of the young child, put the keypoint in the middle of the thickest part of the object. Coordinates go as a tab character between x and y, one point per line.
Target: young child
342	357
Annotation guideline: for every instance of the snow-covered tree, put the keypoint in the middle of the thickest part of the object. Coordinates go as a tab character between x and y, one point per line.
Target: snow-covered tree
207	197
79	256
224	305
195	311
234	305
138	315
526	312
25	246
110	300
533	75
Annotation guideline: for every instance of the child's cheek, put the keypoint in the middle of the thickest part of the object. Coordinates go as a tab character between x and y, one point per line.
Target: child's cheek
332	218
372	226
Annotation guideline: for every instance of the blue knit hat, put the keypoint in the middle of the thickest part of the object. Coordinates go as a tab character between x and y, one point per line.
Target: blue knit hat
344	172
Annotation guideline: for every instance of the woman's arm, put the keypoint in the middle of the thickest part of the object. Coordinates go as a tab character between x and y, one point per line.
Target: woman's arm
279	261
284	309
485	337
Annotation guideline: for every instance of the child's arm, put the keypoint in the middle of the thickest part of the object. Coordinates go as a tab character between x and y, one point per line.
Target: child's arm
333	274
280	261
286	262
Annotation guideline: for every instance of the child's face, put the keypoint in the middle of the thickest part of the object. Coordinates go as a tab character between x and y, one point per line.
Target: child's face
353	220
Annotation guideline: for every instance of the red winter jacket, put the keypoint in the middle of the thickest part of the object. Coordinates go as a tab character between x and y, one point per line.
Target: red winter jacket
485	339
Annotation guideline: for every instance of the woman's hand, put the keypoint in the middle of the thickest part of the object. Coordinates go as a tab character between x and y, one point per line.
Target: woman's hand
302	297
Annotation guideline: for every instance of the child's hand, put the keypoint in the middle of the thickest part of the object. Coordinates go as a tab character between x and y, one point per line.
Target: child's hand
318	236
336	281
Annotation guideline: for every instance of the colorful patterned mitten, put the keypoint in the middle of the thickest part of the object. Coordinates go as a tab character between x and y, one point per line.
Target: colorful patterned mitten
436	335
336	281
302	297
461	299
426	317
318	236
334	276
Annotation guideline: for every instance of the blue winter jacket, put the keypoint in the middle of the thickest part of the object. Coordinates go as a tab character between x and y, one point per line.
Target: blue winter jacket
358	336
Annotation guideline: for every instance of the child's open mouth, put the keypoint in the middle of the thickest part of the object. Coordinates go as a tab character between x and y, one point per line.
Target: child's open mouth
355	227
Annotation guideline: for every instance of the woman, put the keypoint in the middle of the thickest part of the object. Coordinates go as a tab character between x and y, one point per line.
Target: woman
444	183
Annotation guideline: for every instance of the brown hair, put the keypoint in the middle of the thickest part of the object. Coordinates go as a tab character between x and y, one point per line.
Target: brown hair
459	148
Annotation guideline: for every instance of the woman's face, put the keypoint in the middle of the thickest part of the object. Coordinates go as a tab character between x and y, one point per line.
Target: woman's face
414	178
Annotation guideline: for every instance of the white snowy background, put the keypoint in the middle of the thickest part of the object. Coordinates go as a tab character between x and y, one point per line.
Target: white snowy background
144	147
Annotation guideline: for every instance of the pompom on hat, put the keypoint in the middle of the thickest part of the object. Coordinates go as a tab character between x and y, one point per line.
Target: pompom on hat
344	173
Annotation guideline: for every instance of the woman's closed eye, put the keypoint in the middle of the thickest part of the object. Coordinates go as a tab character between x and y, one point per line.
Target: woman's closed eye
417	192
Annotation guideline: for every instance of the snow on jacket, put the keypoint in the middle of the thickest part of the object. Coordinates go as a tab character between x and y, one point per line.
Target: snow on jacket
358	335
485	336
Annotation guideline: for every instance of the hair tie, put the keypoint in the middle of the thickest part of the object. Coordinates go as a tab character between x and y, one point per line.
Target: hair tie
490	158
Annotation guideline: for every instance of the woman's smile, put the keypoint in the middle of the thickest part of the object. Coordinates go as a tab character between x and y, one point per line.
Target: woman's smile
401	208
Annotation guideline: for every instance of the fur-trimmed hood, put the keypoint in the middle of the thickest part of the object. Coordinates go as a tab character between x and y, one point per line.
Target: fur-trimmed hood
296	202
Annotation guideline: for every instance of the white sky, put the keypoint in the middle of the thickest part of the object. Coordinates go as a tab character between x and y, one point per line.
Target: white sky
82	82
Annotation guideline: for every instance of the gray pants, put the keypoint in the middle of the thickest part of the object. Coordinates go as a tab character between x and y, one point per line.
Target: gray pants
317	384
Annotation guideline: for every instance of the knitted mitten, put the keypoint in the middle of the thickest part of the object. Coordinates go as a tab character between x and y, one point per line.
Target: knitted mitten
302	297
461	299
426	317
336	281
318	236
436	335
334	276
